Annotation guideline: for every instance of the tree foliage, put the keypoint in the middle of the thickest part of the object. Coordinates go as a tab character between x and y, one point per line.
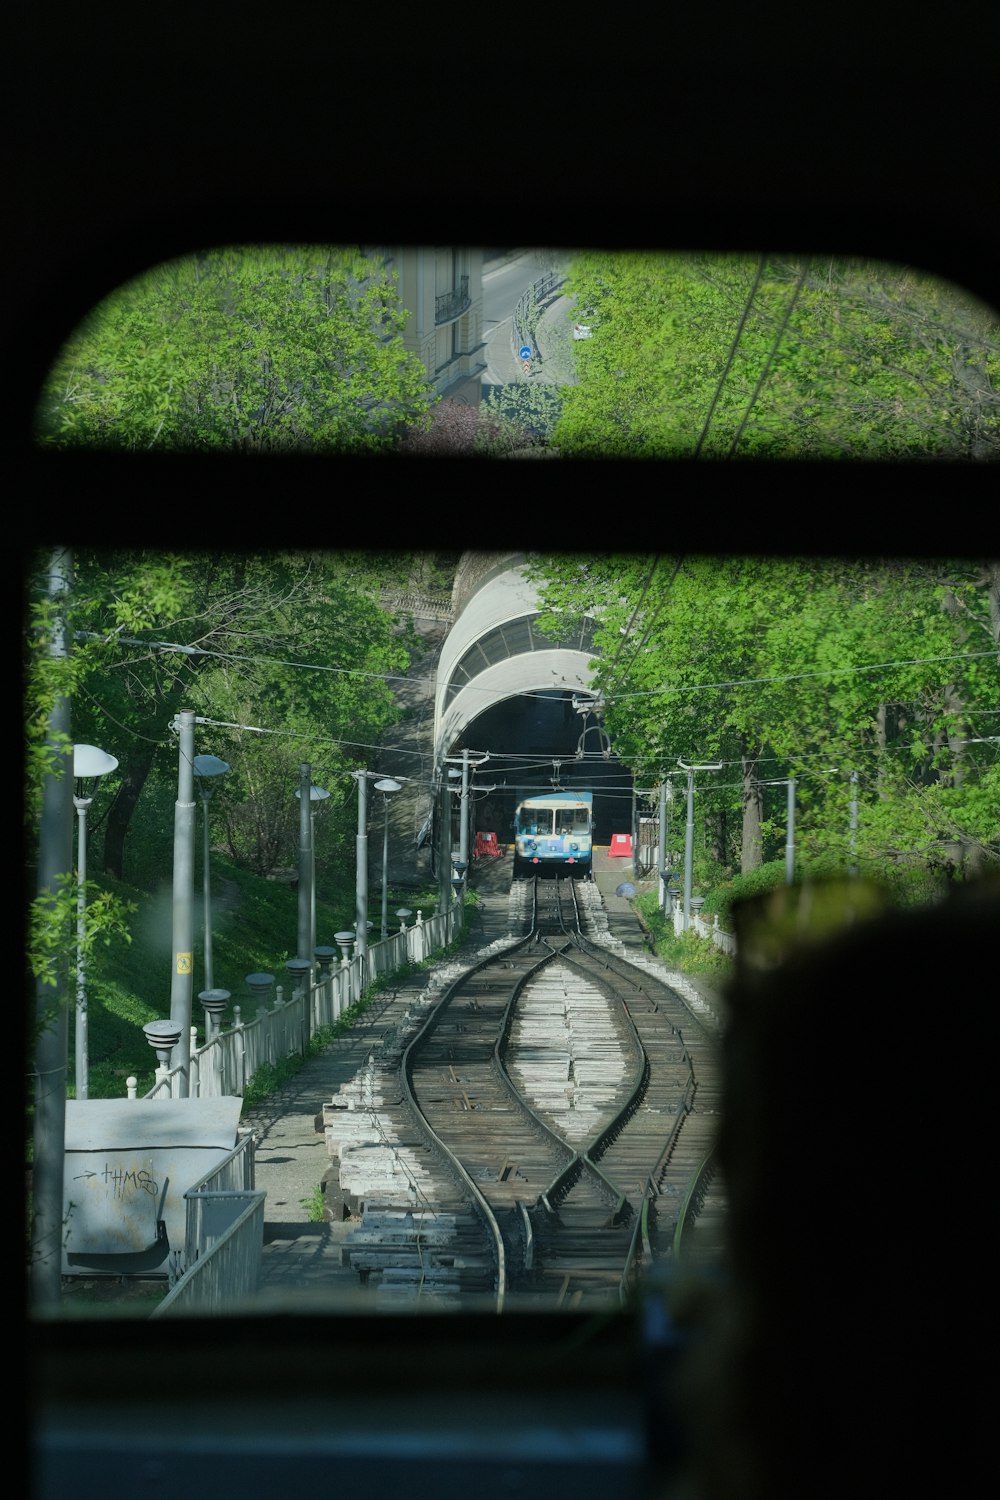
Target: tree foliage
710	356
247	349
287	658
512	420
875	681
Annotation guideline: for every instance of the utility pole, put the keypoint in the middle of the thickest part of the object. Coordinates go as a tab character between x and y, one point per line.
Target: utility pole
361	865
790	834
444	833
306	937
661	852
182	977
467	764
463	832
689	833
635	837
55	861
852	868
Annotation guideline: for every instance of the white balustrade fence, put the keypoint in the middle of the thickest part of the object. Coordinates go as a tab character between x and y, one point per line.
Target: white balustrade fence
225	1063
711	931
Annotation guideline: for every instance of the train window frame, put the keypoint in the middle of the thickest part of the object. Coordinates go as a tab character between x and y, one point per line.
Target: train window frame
863	135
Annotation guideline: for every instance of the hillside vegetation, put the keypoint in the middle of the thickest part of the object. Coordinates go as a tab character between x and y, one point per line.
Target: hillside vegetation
254	931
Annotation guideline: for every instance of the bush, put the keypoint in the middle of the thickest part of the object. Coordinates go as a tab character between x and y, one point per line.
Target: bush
721	899
688	953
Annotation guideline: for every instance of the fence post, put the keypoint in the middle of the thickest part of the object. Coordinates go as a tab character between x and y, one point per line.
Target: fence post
323	993
132	1086
301	972
194	1084
241	1056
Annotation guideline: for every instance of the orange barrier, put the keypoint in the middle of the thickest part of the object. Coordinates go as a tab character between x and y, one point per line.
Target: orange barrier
621	844
487	846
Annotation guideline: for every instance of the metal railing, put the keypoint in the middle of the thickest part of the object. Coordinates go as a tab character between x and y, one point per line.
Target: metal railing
223	1236
452	304
226	1272
226	1062
525	319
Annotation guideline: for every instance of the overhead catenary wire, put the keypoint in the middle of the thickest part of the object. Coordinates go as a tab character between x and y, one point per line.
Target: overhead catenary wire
545	694
731	357
772	355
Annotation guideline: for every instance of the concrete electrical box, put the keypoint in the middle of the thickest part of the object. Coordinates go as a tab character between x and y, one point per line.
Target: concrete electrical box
128	1164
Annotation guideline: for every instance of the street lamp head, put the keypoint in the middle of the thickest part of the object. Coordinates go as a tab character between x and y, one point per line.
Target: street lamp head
316	793
387	785
209	765
88	763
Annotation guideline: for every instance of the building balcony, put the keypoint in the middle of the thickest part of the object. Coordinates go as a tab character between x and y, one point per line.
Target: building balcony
451	305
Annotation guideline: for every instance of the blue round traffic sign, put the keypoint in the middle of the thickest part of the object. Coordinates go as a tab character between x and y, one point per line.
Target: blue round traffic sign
524	351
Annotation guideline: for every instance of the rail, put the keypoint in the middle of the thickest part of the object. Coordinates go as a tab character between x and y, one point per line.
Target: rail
693	1198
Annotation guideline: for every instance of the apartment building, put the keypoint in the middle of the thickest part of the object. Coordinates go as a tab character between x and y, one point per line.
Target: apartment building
441	287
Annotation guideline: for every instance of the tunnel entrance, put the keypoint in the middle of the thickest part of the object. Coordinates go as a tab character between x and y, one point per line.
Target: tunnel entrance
533	741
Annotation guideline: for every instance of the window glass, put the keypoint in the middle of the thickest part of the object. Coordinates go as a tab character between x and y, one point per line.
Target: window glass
531	353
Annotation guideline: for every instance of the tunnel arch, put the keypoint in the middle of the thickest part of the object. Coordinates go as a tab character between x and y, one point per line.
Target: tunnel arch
507	691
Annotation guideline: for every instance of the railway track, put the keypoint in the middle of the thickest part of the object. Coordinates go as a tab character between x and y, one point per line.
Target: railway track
534	1138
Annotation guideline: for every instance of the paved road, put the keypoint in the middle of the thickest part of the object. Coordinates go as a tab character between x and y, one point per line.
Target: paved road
504	282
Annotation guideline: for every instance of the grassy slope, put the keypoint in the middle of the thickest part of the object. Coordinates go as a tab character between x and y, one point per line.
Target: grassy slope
255	929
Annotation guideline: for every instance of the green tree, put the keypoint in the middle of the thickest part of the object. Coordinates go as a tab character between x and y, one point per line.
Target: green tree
710	356
248	349
295	645
877	678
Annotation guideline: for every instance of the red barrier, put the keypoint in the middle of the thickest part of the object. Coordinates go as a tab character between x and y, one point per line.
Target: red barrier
621	844
486	845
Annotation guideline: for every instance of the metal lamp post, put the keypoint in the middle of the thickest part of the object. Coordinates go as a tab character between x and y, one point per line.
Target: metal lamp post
206	768
88	764
689	832
386	786
789	782
307	864
361	869
790	834
361	922
182	923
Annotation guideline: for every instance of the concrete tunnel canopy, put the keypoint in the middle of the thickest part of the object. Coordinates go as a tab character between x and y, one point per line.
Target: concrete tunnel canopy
504	687
495	651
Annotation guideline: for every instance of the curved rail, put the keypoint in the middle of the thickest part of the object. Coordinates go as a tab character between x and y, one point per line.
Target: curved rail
567	1182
